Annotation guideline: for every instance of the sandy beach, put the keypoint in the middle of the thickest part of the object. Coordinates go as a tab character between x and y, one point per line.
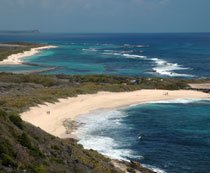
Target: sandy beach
17	58
200	85
50	116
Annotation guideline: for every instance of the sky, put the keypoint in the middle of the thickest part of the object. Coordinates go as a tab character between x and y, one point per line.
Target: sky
95	16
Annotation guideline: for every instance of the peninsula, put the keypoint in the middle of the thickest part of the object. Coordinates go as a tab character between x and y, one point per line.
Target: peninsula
13	53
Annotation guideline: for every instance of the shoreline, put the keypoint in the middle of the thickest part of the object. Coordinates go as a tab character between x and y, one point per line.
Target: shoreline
60	118
15	59
50	117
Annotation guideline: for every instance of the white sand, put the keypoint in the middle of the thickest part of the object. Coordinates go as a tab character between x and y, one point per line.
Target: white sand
200	85
71	107
17	58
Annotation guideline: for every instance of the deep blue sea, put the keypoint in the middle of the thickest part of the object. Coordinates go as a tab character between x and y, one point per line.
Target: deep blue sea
171	136
168	136
166	55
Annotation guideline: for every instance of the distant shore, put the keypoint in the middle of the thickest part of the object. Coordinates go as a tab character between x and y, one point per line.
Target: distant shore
18	57
51	116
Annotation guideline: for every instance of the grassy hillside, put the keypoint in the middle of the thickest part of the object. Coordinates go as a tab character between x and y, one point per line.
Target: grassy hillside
19	91
25	148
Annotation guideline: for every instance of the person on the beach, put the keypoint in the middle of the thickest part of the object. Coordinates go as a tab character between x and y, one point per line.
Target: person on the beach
165	94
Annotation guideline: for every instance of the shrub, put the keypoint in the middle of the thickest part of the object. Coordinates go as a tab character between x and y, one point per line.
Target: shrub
37	169
8	161
3	113
16	120
25	141
36	152
6	147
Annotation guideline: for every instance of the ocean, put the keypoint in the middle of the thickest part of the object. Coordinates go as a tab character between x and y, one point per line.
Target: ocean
160	55
168	136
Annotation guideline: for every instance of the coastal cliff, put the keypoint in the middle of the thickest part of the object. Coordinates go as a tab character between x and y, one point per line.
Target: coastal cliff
26	148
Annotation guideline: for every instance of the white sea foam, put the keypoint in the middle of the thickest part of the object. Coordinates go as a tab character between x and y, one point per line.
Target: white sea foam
134	56
133	105
162	67
153	168
92	136
181	101
90	50
124	54
133	46
112	53
168	69
142	46
107	146
18	58
126	51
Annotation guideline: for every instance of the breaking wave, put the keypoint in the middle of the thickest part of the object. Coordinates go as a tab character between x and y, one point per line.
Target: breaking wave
101	131
134	56
181	101
135	46
168	69
92	134
90	50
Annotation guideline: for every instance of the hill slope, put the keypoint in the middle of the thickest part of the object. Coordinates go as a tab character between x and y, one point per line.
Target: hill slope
25	148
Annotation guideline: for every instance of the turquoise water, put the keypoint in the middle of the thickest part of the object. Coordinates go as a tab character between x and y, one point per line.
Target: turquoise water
162	55
171	136
19	68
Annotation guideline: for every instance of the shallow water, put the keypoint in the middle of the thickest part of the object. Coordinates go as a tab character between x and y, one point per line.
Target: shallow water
171	136
165	55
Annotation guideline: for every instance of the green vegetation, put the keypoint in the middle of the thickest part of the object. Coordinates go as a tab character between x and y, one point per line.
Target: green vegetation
29	90
8	161
29	149
7	49
25	148
16	120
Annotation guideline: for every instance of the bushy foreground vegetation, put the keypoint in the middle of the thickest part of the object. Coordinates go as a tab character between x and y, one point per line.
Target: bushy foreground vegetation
25	148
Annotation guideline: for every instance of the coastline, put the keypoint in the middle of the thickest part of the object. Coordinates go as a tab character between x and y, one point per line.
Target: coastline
51	116
16	59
